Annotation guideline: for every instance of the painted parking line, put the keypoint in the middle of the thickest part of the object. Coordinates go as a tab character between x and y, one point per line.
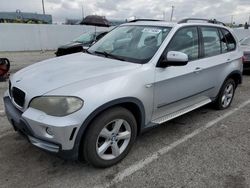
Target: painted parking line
2	112
141	164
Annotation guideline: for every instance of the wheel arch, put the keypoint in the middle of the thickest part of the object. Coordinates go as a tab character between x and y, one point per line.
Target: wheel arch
236	76
134	105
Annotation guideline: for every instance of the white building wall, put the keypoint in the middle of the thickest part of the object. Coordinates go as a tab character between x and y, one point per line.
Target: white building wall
30	37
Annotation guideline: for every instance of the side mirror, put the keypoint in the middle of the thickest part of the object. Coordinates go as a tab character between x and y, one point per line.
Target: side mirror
174	58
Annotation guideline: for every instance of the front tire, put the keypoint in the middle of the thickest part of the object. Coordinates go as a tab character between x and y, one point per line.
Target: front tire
109	137
226	95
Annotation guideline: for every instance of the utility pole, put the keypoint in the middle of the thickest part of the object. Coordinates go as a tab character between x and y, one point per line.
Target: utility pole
232	20
82	8
249	20
172	14
82	12
43	6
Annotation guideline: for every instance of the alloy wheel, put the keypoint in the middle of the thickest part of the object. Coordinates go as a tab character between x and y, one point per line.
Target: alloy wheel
113	139
227	95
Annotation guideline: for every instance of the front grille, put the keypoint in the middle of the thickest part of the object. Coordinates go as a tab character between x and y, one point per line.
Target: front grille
18	96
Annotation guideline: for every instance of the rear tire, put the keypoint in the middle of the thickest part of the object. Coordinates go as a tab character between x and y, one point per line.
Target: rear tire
226	95
109	137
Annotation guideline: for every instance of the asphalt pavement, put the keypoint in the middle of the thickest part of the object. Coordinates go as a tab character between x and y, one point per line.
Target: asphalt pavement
204	148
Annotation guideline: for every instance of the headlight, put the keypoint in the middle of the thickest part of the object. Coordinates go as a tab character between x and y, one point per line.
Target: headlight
57	105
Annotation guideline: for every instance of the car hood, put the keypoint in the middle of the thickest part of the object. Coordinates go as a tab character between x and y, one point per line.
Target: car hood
245	48
43	77
71	45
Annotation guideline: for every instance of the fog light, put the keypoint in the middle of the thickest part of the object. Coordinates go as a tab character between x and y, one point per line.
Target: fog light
49	131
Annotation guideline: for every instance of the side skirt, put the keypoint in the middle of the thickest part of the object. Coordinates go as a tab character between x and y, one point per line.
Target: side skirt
181	111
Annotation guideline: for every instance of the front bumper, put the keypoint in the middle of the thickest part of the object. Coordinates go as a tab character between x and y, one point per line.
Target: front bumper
19	123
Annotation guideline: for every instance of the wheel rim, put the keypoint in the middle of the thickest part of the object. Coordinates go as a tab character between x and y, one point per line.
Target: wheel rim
227	95
113	139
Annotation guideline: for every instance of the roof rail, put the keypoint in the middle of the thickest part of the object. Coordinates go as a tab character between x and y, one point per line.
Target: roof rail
137	20
213	21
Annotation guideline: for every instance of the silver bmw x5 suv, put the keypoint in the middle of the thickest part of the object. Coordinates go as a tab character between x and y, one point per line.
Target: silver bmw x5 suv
93	105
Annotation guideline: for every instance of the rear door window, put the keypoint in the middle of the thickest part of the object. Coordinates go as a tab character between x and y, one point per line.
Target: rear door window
211	41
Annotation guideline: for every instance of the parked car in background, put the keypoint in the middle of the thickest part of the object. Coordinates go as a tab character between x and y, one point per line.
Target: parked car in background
245	45
4	69
81	43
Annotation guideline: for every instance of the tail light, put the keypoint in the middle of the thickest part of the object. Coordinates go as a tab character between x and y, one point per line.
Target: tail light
244	59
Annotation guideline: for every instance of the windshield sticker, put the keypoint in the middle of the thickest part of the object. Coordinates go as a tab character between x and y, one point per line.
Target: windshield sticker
151	30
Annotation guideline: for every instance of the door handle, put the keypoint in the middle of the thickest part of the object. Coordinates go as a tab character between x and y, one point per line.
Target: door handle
197	69
229	60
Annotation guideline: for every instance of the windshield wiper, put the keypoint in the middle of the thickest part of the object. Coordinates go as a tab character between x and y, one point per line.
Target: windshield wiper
88	52
106	54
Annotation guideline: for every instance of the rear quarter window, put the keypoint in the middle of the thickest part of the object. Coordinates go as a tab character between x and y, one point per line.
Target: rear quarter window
228	37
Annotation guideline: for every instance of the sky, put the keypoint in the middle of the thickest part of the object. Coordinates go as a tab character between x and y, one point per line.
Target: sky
223	10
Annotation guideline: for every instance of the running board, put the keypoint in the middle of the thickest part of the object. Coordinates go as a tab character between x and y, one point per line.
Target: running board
181	112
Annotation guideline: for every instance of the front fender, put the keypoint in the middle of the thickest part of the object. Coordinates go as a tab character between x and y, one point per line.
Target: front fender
82	130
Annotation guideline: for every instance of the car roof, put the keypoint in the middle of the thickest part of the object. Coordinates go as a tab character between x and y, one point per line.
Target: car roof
95	32
247	37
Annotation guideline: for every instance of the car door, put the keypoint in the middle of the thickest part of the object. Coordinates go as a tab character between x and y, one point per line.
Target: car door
217	54
179	87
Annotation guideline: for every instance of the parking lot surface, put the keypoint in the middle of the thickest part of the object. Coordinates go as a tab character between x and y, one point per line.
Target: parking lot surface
204	148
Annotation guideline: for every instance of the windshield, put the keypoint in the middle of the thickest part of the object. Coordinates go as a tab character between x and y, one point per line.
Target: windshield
136	44
246	42
85	38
